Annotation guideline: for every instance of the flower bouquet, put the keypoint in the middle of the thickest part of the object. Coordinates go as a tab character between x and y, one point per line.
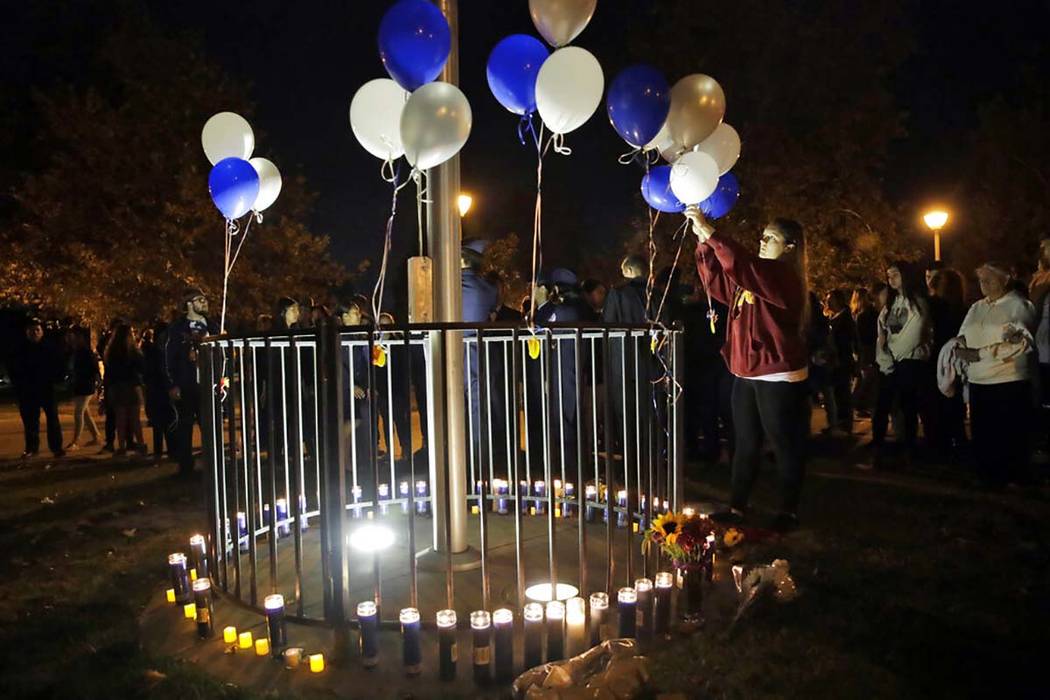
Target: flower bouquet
689	542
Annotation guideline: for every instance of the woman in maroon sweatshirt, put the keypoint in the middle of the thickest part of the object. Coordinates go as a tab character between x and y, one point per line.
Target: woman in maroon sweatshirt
766	351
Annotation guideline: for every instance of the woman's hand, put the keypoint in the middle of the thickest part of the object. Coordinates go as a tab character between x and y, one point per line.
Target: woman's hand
701	229
359	393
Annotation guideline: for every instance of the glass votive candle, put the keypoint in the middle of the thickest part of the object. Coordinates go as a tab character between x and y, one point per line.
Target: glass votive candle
189	611
576	625
627	603
411	652
555	630
293	657
244	640
422	505
503	631
662	617
304	519
199	556
355	494
447	653
481	630
283	527
273	605
242	532
599	603
540	489
229	634
316	663
262	646
180	578
403	494
533	616
202	600
590	494
368	628
384	498
170	595
643	589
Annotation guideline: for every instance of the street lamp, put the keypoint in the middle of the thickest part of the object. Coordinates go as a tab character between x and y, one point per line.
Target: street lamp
935	220
464	201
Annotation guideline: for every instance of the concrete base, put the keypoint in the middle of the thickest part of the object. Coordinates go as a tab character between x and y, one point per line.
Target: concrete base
432	560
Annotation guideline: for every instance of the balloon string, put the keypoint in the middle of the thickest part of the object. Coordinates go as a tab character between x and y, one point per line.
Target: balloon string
537	225
674	266
559	144
257	217
650	280
418	176
631	156
526	127
377	291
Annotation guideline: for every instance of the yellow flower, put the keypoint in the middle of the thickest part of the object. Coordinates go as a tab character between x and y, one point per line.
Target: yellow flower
733	537
667	526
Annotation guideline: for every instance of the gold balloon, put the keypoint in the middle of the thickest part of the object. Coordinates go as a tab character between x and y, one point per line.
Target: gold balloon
697	107
561	21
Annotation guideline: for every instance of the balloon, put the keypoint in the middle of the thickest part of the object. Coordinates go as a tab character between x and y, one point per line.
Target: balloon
435	124
512	70
638	101
697	107
656	189
665	145
234	187
269	183
723	199
569	89
227	135
561	21
414	42
375	117
724	146
694	176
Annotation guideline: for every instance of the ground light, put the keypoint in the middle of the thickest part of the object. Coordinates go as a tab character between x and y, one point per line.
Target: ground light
541	592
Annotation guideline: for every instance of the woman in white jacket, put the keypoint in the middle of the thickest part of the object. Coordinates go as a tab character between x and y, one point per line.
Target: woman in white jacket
997	346
902	352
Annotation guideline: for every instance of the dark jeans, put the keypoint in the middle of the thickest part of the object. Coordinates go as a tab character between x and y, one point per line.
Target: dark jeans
180	434
1000	418
30	406
842	390
902	385
776	410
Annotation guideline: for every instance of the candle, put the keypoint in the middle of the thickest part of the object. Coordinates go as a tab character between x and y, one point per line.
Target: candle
262	646
447	654
541	505
180	578
664	582
643	588
570	493
502	491
590	493
368	624
576	623
503	624
229	634
687	512
266	514
242	532
355	493
411	654
316	663
555	630
621	516
205	612
422	505
481	627
273	604
599	610
193	575
170	595
283	528
533	615
244	640
384	497
189	611
402	492
474	510
304	524
627	602
293	657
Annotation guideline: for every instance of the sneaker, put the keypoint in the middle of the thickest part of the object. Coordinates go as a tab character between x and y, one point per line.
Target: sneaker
28	455
728	517
785	522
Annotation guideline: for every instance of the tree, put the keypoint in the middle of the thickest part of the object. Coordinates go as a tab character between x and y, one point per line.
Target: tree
119	220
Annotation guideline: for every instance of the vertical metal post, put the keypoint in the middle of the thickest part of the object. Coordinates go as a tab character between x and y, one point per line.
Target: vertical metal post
298	507
678	497
515	483
271	485
216	461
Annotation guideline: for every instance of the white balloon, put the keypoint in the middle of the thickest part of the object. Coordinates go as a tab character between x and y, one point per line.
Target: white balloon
375	117
269	183
227	135
569	88
665	144
724	146
435	124
694	177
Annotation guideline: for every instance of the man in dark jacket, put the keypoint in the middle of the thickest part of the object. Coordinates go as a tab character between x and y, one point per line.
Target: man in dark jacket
625	305
180	376
34	369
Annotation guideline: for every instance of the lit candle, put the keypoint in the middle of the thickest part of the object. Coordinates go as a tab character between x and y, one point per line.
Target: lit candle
557	488
541	505
621	516
355	494
555	630
627	602
199	556
664	582
283	528
293	657
368	628
205	611
242	532
503	624
273	604
316	663
229	634
193	575
481	627
244	640
180	578
189	611
687	512
533	615
411	654
576	625
590	493
262	647
599	611
402	492
170	595
570	493
474	510
266	514
384	497
502	491
447	654
422	505
304	524
643	588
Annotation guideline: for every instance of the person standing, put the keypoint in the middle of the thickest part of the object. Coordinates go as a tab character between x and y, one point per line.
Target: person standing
181	345
944	418
34	370
125	368
480	301
766	350
844	345
997	342
158	404
84	382
866	321
625	306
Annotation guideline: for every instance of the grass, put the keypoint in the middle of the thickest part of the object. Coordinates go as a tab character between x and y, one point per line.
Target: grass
910	586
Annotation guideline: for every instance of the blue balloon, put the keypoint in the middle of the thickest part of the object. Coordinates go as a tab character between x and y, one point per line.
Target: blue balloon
638	102
513	66
414	42
656	189
723	199
234	185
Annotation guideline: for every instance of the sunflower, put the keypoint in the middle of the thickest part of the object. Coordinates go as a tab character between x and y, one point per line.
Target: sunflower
667	526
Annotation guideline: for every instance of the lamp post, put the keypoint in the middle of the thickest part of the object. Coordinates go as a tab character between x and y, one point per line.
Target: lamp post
935	220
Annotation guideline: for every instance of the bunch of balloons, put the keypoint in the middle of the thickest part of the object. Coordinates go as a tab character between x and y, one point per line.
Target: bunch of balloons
238	183
564	87
412	114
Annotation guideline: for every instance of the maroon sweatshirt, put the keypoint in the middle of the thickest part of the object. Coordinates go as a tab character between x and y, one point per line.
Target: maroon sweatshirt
765	300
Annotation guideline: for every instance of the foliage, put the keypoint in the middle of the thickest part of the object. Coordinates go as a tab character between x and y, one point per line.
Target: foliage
119	220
